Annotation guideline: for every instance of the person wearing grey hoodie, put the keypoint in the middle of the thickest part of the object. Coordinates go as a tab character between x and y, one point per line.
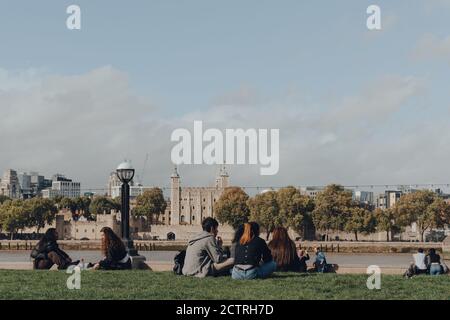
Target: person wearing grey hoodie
204	255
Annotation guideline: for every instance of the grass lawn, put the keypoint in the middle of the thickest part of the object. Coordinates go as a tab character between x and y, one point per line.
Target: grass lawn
165	285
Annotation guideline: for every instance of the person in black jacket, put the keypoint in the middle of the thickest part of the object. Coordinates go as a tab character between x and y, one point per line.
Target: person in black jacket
284	251
114	251
253	258
47	253
303	256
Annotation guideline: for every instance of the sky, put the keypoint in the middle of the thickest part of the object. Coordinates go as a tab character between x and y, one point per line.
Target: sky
353	106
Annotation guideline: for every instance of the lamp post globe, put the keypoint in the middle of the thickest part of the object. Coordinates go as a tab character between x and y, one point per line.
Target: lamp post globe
125	173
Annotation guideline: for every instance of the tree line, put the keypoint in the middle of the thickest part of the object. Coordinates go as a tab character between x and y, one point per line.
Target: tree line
333	210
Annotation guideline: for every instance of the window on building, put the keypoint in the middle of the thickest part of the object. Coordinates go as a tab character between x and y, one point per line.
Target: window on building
182	219
193	218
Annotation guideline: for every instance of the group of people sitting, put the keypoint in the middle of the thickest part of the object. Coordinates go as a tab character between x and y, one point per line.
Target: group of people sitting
426	264
47	253
249	256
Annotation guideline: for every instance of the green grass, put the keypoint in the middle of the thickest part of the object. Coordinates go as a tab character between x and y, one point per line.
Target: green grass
165	285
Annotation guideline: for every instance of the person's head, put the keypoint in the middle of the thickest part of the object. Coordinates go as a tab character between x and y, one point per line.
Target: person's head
247	234
420	250
210	225
282	247
302	253
238	233
316	250
50	235
432	251
255	228
110	240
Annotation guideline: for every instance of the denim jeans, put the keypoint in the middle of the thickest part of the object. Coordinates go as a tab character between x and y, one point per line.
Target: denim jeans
435	269
262	272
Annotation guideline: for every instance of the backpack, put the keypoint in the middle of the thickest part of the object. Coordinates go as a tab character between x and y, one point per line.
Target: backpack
179	262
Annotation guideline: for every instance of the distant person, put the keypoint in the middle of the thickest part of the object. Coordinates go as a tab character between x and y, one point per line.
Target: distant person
115	254
420	266
47	253
284	251
253	258
320	263
303	257
204	252
433	261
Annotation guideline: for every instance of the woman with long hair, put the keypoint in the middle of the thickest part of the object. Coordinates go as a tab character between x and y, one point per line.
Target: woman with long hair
284	251
252	256
47	253
114	251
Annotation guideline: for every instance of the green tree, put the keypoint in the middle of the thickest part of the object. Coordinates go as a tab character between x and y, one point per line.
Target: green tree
40	212
424	208
101	205
385	221
295	209
13	217
332	208
232	207
151	204
360	220
265	211
4	198
83	205
68	204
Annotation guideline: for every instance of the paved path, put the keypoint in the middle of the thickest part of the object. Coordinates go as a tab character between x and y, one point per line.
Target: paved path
353	260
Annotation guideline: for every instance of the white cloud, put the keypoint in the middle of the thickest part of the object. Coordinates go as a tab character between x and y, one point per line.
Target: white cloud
85	125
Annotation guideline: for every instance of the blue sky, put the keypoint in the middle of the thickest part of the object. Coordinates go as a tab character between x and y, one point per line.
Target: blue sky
304	58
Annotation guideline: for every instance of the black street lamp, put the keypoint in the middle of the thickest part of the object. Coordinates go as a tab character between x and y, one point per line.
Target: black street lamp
125	173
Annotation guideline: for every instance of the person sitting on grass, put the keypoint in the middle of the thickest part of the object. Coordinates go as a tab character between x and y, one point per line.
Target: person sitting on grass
303	257
420	266
433	261
253	257
284	251
115	254
47	253
228	264
204	253
320	263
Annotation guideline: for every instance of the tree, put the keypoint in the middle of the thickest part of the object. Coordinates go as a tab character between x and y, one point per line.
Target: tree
13	217
151	204
4	198
385	222
295	209
83	205
360	220
264	210
69	204
332	208
232	207
101	205
40	212
424	208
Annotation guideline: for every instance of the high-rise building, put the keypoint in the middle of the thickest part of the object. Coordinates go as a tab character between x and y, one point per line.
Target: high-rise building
9	185
61	186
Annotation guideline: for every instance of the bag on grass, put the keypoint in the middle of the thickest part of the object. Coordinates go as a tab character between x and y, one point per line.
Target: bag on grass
179	262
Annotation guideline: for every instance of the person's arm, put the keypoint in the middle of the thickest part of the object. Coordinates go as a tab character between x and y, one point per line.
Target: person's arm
307	257
214	250
266	253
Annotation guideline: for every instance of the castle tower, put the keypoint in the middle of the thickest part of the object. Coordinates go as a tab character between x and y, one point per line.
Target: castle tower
175	197
222	181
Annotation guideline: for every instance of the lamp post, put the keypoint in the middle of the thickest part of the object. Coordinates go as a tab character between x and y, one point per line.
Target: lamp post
125	173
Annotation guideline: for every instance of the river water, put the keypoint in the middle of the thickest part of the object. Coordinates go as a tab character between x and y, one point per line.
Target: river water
354	260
